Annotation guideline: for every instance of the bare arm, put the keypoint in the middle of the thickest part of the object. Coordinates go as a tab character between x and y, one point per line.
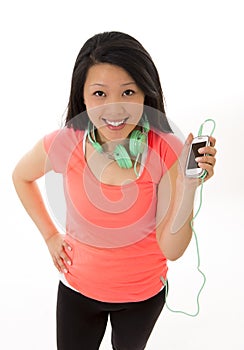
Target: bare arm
174	213
31	167
175	203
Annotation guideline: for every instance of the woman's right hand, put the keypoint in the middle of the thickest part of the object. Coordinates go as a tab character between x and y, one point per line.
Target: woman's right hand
58	249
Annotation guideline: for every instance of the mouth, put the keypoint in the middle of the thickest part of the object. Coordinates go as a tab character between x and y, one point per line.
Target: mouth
115	124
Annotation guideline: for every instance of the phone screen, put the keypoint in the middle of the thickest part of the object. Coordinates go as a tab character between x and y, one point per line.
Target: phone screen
192	164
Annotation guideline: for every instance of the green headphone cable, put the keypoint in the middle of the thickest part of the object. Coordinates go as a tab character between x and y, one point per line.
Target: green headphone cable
196	240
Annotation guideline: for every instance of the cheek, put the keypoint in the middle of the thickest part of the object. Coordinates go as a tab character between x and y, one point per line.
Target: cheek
135	110
89	102
94	113
93	107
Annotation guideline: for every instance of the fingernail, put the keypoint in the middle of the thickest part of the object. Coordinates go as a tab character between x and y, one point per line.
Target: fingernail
197	159
65	271
69	262
69	248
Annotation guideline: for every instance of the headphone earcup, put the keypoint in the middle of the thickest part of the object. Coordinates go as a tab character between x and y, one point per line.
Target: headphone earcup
122	157
137	142
137	145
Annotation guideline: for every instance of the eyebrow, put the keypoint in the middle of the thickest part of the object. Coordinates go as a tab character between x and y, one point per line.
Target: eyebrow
125	84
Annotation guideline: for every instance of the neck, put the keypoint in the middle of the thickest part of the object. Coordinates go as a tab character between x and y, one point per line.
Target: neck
109	145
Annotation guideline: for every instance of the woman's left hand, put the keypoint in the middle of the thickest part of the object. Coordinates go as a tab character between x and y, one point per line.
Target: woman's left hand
207	162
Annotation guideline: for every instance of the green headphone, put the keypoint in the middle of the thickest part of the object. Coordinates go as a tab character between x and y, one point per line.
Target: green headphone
137	145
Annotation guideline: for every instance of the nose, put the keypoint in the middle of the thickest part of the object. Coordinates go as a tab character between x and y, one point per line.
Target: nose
114	109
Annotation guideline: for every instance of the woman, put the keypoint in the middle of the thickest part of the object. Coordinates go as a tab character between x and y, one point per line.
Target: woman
129	203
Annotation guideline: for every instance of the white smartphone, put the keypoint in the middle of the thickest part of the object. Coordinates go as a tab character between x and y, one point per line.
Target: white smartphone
192	168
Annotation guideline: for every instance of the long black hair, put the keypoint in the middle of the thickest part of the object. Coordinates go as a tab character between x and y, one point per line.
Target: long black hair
122	50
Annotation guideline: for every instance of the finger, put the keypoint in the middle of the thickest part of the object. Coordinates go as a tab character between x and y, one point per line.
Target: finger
61	264
209	168
184	153
186	146
189	139
56	264
206	159
208	150
64	253
212	141
67	246
65	258
62	259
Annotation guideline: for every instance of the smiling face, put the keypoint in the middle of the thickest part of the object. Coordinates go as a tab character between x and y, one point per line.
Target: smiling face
113	100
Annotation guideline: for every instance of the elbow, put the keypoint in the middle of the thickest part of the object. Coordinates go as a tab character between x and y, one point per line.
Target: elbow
173	257
172	254
14	176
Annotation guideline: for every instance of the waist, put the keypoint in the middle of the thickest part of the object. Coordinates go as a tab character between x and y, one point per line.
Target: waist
125	274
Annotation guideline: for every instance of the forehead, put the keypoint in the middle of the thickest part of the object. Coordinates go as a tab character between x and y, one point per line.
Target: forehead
105	73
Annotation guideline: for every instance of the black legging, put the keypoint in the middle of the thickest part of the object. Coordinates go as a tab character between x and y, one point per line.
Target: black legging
81	321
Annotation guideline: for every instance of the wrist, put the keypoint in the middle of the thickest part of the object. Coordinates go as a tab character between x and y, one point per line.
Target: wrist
49	236
187	185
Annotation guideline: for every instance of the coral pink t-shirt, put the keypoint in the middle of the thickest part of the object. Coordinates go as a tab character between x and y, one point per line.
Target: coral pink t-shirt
115	255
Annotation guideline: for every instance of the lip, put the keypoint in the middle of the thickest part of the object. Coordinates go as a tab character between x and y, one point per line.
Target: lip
115	124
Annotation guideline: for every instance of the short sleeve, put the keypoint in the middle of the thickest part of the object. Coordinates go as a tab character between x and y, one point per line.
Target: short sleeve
171	148
60	145
48	140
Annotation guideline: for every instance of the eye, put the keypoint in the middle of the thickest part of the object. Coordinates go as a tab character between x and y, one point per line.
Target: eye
99	93
128	92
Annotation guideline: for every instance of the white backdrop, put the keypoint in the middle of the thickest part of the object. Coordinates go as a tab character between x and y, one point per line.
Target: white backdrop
198	49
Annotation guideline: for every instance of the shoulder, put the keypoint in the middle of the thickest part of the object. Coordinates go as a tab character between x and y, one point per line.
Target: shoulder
66	138
60	145
165	143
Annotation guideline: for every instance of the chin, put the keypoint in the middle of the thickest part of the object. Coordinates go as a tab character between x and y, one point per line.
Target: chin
108	134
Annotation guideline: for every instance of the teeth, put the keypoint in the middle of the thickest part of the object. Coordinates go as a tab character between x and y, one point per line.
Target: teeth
115	123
